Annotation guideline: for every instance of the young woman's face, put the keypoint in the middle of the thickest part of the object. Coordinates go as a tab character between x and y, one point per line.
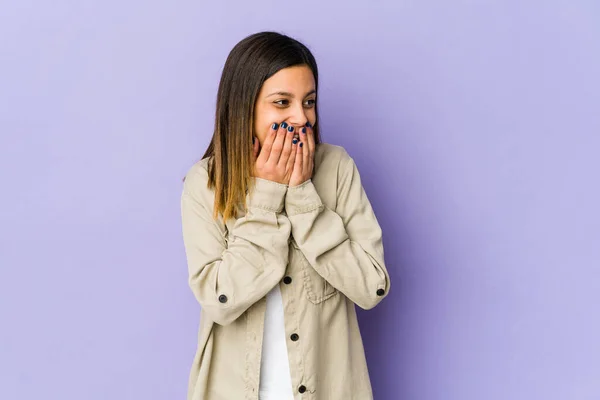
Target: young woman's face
289	95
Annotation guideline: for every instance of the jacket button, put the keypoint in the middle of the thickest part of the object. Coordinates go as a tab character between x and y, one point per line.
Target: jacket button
294	337
302	389
223	298
380	292
287	280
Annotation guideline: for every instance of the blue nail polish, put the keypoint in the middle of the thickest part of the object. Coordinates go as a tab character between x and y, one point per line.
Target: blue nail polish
308	124
275	126
300	144
303	130
291	128
284	125
295	141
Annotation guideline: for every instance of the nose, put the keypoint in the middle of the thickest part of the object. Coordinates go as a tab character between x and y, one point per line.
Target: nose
298	117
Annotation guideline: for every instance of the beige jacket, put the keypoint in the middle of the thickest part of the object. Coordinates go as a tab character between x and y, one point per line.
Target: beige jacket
322	244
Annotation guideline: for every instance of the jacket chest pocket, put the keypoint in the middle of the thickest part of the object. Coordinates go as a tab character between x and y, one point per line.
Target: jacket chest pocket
316	288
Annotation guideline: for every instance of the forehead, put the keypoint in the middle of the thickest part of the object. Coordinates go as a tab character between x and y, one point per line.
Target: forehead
297	79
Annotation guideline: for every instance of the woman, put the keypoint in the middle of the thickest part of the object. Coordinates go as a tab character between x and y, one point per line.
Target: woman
281	240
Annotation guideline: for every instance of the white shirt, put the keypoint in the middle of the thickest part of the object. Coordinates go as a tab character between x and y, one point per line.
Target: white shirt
275	376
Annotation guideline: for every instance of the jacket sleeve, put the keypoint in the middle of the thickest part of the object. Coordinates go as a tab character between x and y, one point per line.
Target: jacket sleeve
228	276
343	245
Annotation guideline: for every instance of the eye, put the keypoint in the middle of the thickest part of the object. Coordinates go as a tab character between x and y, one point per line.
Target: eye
278	102
310	102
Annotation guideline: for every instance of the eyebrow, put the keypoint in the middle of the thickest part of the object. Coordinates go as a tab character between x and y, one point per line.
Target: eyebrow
290	94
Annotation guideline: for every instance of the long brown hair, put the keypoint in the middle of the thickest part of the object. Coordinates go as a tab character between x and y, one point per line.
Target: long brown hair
249	64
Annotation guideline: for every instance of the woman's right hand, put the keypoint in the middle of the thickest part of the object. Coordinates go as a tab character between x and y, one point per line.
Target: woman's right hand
275	161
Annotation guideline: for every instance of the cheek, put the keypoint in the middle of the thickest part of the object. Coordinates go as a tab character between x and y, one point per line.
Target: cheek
311	115
264	123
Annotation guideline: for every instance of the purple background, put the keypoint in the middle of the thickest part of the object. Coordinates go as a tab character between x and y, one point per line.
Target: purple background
476	127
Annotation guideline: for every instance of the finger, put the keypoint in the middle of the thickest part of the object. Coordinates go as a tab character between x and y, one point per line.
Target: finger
263	157
305	150
293	156
310	143
278	144
298	159
255	147
310	133
287	146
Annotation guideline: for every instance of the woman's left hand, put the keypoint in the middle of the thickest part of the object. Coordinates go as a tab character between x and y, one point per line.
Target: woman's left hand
304	163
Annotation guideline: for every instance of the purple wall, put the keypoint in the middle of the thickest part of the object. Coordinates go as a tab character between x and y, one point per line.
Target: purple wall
476	127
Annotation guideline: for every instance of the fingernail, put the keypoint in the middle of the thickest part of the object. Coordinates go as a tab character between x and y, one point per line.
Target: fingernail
300	144
295	141
308	124
275	126
291	128
284	125
303	130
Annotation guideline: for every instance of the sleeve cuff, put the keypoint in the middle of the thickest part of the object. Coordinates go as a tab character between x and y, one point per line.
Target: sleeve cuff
302	198
267	195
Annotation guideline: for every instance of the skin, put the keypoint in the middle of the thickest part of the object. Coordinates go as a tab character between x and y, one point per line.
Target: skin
286	97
